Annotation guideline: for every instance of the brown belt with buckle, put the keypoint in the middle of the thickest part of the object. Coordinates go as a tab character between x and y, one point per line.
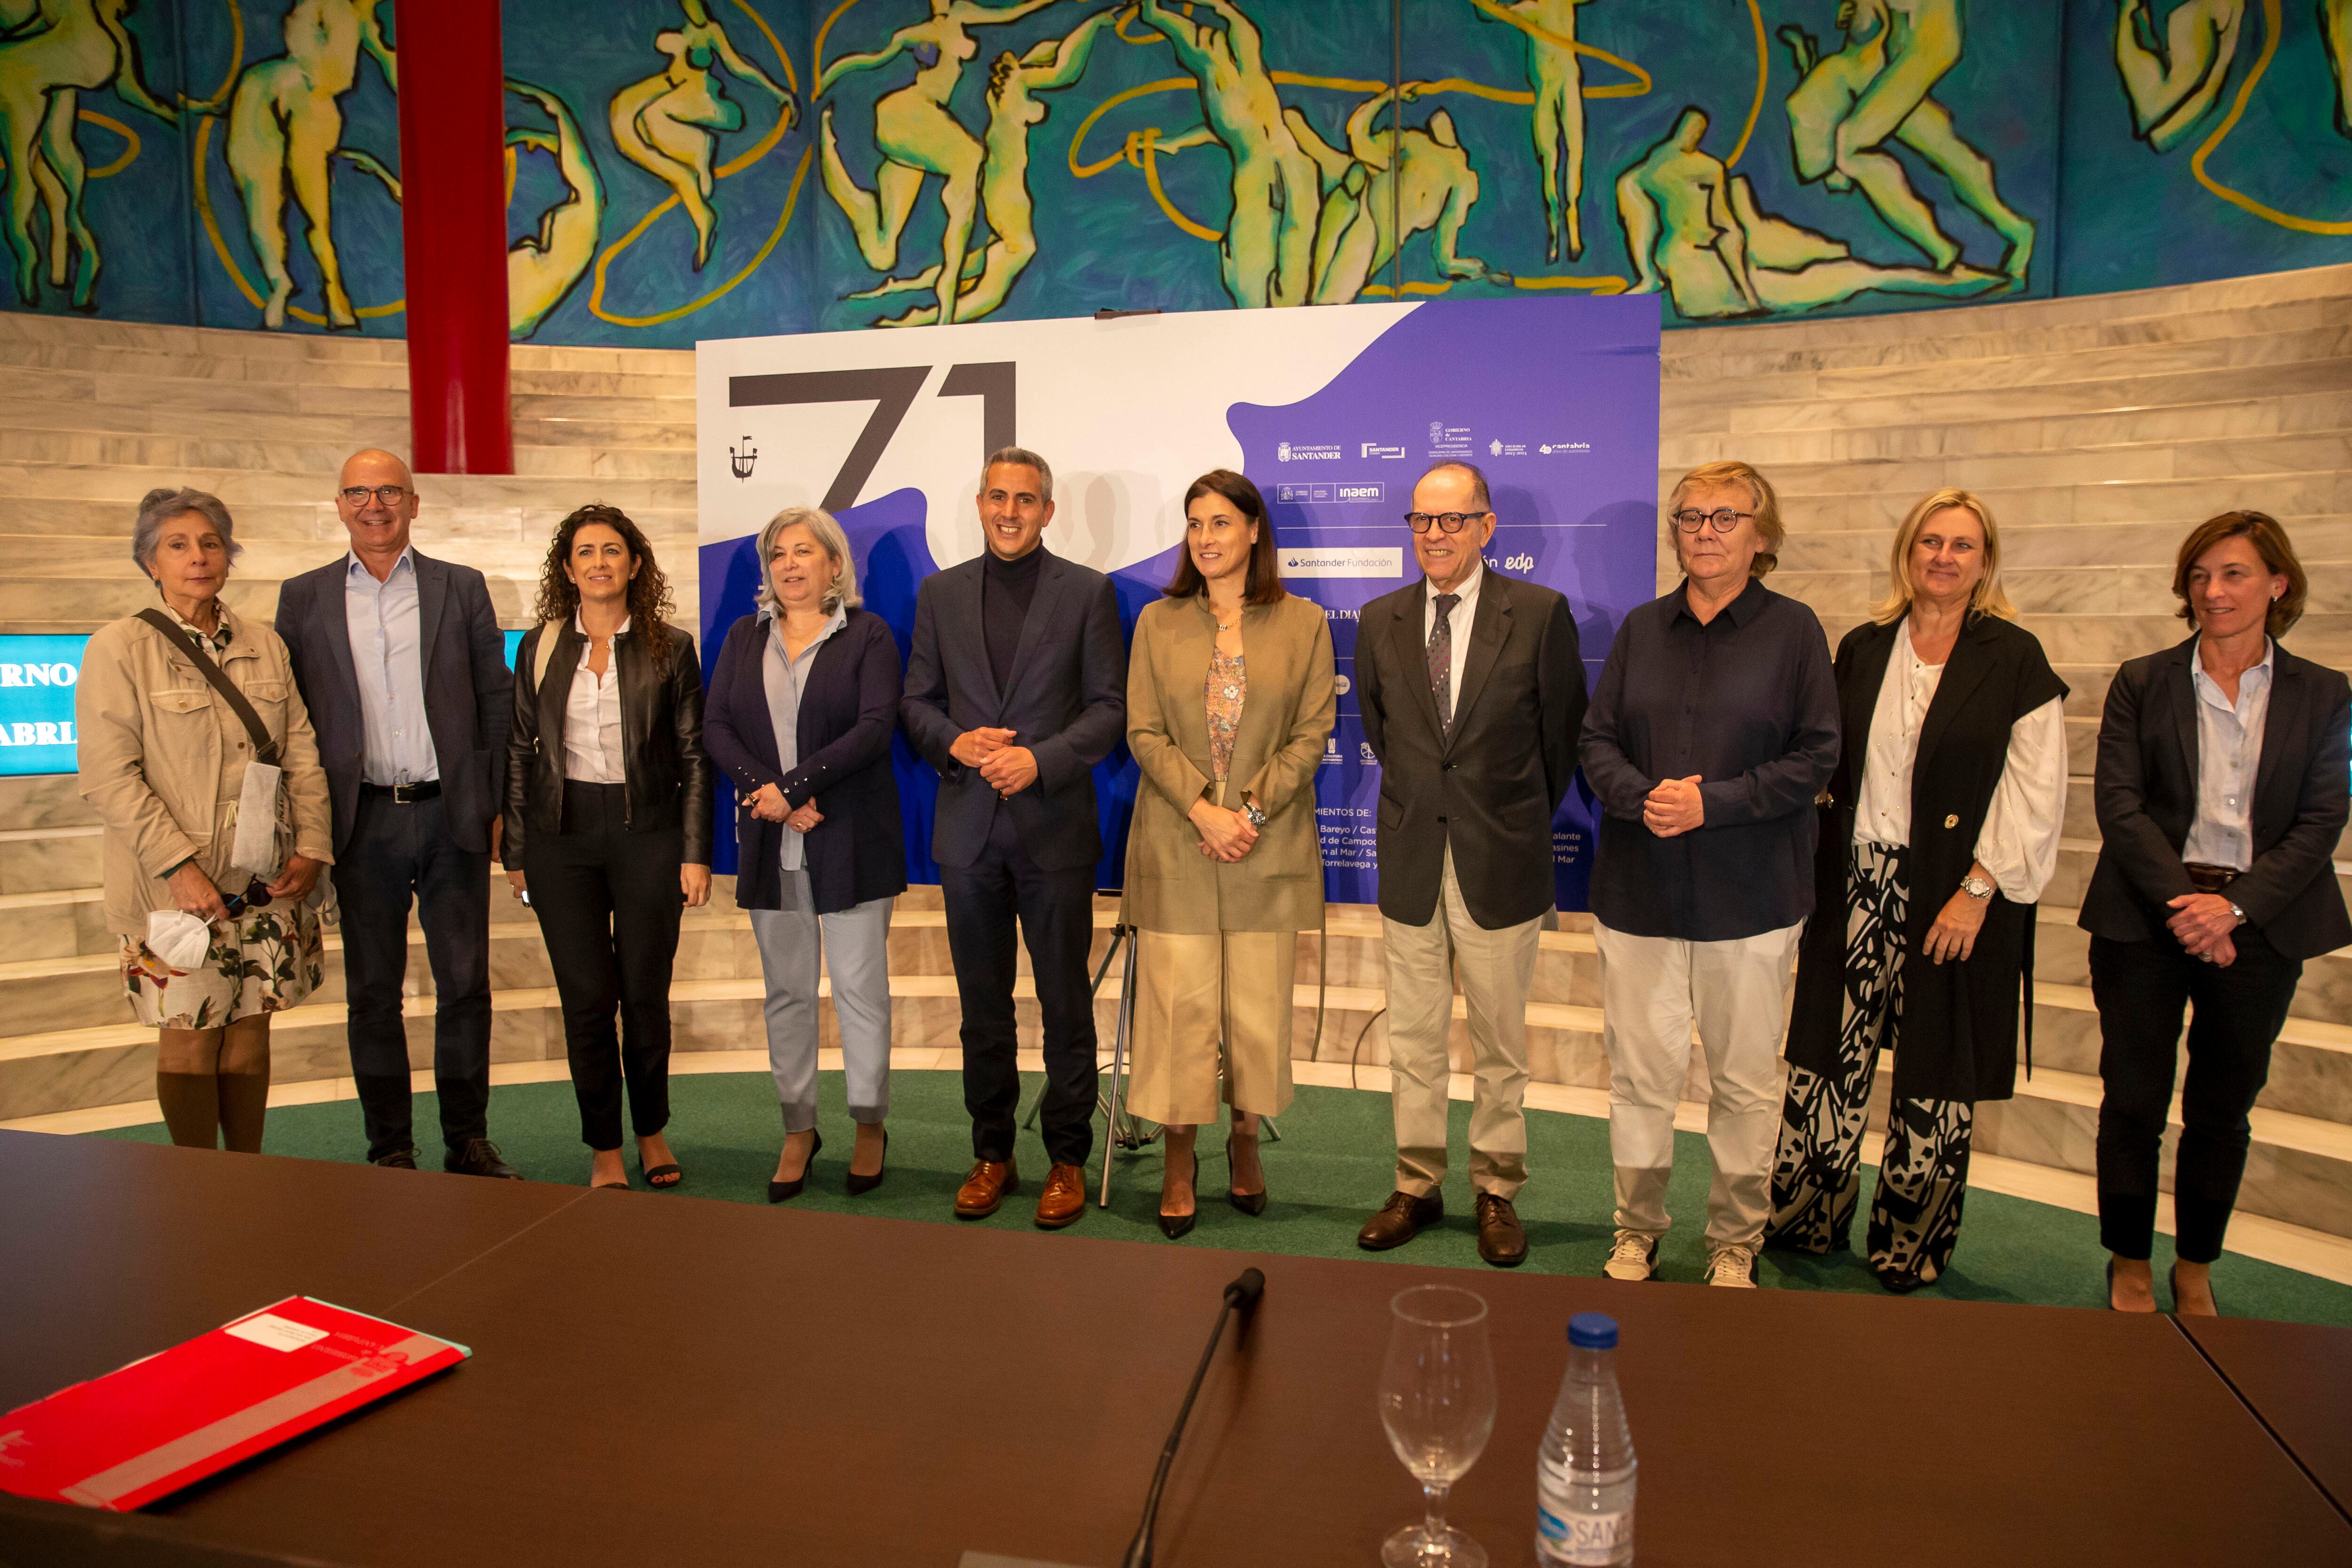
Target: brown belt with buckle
2209	878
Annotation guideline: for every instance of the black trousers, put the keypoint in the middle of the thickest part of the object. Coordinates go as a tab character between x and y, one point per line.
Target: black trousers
608	902
398	854
2141	989
1057	914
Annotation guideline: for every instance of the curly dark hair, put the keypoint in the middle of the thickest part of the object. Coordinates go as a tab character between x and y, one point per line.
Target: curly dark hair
650	605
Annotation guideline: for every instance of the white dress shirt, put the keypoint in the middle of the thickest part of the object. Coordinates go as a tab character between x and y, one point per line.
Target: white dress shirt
1458	622
2018	842
2228	752
592	716
382	620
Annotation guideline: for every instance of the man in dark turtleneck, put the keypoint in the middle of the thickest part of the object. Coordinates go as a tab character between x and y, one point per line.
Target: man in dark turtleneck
1016	686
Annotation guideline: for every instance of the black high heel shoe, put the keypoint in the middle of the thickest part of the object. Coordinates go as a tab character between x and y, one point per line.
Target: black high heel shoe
779	1191
857	1184
1249	1203
1172	1225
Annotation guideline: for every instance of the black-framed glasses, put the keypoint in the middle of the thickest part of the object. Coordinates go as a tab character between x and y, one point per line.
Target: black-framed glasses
1690	519
1446	521
255	897
387	495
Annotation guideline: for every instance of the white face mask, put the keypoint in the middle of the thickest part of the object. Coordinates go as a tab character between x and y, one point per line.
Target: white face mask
180	940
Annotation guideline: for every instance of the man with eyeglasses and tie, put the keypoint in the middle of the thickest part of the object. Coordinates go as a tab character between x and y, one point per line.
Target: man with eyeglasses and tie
1713	731
400	659
1472	691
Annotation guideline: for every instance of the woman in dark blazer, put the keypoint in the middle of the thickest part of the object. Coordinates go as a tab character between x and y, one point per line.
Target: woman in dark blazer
2221	797
804	701
607	822
1939	830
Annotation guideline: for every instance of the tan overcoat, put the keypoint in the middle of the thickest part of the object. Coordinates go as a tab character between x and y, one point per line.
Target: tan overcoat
1285	720
162	760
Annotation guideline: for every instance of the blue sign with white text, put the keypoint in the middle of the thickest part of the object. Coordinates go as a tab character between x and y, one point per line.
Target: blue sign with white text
37	676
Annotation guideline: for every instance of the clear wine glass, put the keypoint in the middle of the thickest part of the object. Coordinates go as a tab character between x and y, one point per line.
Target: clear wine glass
1437	1401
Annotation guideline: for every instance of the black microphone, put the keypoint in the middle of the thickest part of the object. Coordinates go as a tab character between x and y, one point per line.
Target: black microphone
1241	1294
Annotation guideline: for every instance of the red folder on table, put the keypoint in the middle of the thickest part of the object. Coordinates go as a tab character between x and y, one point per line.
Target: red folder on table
150	1429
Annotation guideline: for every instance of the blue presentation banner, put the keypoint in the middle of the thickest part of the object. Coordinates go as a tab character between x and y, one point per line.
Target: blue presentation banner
37	676
1334	413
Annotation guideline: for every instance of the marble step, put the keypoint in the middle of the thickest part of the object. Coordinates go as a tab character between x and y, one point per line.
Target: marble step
2298	1169
2228	366
2062	956
325	459
1721	355
2096	414
82	605
2119	423
105	525
206	420
125	484
29	801
1854	499
34	328
49	859
2146	550
2249	462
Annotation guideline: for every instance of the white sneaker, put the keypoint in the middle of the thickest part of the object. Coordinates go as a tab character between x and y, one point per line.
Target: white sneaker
1634	1256
1734	1266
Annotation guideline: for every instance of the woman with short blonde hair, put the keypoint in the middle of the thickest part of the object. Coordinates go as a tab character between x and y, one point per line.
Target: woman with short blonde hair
1939	832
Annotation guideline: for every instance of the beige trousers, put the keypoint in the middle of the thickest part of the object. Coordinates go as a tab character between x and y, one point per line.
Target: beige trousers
1652	989
1496	969
1203	1002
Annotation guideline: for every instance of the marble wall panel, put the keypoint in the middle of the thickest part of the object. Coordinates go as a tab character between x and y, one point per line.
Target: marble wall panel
107	1075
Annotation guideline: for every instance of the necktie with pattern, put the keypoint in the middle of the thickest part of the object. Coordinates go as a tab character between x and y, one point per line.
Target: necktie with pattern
1441	658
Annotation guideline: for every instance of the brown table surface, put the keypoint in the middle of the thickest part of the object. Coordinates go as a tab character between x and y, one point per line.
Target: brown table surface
667	1379
2298	1378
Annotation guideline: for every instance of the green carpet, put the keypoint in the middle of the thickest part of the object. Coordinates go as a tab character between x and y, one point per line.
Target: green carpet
1330	1169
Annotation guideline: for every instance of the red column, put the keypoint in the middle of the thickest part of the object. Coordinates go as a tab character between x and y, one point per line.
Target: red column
454	234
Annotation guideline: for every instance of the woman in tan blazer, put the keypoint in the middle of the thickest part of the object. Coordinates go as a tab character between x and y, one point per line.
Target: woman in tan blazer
1229	702
163	758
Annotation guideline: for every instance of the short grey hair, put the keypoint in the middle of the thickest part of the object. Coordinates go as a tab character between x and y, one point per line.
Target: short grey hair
1021	457
161	506
1480	497
842	595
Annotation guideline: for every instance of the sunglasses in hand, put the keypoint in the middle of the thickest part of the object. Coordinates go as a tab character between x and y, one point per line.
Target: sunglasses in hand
256	896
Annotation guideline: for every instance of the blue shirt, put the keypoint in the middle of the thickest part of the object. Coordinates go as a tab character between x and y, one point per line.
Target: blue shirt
387	654
785	679
2228	753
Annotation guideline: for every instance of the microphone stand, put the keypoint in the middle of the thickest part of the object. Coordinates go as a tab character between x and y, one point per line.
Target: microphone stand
1241	1294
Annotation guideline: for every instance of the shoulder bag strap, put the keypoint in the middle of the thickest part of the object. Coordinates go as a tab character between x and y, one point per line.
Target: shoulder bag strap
543	653
263	747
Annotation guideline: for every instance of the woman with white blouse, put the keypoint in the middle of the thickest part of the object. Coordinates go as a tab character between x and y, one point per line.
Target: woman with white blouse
607	823
1939	831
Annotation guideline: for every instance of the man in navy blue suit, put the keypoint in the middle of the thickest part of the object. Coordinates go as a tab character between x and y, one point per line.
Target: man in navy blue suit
1016	686
402	665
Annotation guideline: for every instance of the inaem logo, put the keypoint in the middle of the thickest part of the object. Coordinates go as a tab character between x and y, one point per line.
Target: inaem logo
741	461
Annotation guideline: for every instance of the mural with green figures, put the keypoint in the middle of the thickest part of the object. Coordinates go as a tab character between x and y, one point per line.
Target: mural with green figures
686	169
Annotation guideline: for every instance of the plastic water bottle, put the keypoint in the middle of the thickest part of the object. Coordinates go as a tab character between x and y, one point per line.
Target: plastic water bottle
1585	1471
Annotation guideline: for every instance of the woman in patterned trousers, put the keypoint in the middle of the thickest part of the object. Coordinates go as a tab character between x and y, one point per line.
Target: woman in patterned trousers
1939	831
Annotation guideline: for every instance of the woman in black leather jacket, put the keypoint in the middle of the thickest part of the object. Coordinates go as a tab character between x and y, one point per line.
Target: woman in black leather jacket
607	826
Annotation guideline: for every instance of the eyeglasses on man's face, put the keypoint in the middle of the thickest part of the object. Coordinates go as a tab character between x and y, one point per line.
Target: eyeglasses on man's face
1690	519
1446	521
386	494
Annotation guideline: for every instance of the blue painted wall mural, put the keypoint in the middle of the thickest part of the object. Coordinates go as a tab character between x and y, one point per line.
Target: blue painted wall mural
686	169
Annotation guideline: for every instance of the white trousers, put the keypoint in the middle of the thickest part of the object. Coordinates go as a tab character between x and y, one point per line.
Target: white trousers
1652	990
854	946
1497	968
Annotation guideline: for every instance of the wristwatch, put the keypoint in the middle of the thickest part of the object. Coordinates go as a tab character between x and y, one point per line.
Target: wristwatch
2237	912
1254	812
1975	887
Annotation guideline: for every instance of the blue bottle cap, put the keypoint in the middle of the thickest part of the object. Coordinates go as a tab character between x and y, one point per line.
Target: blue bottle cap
1592	1332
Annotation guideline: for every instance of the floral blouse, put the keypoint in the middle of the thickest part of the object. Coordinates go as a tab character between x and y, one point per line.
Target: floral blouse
1228	685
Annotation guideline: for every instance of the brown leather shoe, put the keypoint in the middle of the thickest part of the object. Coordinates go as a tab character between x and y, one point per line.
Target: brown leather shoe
1063	1199
1501	1242
1401	1220
984	1189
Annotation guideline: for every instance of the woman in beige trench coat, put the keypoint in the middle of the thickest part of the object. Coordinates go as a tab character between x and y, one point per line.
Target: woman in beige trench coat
1229	702
162	757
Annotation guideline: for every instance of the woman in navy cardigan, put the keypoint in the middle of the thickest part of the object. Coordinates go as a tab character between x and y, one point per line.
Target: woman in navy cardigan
801	707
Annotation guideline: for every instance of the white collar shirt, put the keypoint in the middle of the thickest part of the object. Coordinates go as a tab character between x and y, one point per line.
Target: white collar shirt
592	748
2228	752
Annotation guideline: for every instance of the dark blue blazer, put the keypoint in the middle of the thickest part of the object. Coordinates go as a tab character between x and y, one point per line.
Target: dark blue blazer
468	690
1067	702
848	712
